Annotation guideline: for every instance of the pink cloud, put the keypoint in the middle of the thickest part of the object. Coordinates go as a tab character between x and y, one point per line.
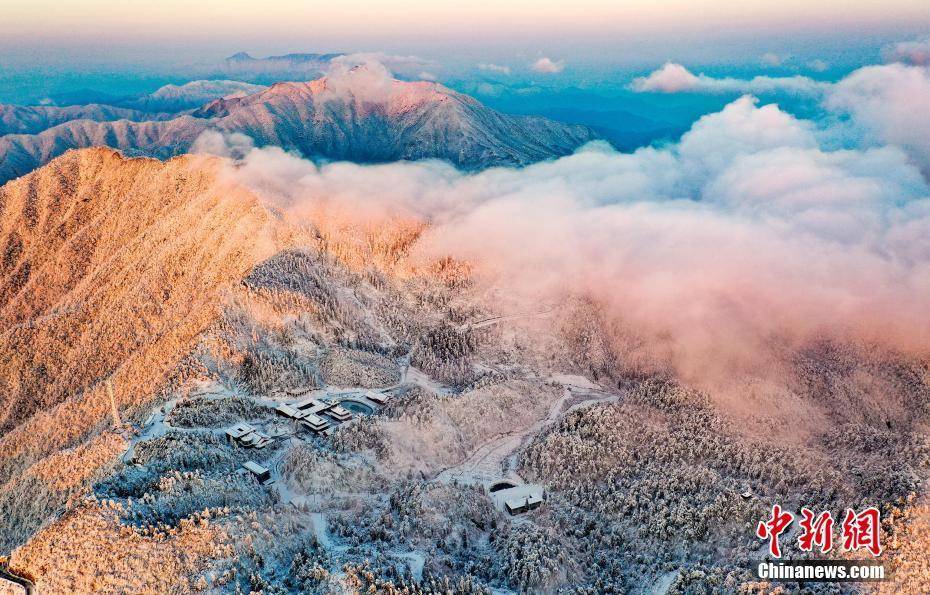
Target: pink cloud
910	52
746	237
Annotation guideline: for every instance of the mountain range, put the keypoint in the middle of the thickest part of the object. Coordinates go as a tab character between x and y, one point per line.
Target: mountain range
357	118
190	95
33	119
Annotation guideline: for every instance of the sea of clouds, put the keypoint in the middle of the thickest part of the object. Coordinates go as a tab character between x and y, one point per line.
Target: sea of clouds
755	229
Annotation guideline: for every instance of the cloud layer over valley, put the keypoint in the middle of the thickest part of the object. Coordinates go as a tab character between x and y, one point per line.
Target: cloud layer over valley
754	234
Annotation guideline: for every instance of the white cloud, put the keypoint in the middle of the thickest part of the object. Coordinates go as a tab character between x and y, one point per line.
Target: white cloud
496	68
369	77
488	89
232	145
405	66
675	78
818	65
362	77
741	128
671	78
548	66
772	59
909	52
889	104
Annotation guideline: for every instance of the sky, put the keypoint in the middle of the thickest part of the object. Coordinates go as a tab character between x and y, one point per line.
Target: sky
173	34
583	27
335	21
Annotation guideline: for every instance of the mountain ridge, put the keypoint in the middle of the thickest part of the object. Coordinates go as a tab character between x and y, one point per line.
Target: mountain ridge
111	268
33	119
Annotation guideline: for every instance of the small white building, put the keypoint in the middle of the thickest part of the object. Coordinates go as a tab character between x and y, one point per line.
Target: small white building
310	405
290	411
262	474
247	436
255	440
524	504
239	430
296	392
518	499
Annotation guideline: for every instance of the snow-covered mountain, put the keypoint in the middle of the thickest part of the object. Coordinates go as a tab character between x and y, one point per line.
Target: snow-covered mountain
369	120
163	104
362	117
175	98
146	307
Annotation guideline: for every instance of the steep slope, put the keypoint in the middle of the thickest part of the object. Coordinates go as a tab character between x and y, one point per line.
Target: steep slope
110	268
19	119
352	118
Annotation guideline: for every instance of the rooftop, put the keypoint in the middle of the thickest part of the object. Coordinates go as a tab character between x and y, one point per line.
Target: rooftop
255	467
290	411
239	430
525	495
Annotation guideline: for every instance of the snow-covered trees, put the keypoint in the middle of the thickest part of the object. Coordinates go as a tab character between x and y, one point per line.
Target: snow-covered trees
201	412
443	351
530	559
663	481
353	367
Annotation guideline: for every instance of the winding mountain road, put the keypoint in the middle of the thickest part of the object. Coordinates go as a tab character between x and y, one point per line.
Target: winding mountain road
497	457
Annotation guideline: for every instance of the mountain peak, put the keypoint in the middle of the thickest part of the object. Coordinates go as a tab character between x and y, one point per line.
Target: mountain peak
241	57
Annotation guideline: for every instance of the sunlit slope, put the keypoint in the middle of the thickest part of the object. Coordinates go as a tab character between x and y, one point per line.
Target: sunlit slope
110	268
